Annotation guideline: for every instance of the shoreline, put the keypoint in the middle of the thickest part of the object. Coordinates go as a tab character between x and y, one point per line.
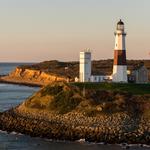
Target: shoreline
21	83
56	128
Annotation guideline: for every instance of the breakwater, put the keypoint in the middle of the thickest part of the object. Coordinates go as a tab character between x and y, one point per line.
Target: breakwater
118	128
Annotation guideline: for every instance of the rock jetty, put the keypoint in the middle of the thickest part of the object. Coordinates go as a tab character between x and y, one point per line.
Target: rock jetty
118	128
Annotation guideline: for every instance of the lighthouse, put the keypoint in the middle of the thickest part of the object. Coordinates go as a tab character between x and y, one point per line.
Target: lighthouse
120	65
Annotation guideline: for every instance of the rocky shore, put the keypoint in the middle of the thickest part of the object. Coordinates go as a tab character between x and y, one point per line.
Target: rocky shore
118	128
25	83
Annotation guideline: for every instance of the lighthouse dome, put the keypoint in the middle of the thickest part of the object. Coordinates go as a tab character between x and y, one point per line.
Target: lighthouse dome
120	22
120	25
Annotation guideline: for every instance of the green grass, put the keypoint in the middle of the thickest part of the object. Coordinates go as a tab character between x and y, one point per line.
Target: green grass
137	89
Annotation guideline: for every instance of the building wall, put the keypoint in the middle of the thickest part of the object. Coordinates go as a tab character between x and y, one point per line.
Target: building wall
97	78
141	75
119	73
85	66
120	40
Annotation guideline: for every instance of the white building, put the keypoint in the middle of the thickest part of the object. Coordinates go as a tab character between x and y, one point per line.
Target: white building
100	78
85	66
85	70
120	65
140	73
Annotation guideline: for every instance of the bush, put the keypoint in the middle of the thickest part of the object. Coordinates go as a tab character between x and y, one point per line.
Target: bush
91	113
51	90
64	102
136	89
35	103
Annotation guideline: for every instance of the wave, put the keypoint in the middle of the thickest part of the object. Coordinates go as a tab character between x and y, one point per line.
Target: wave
11	133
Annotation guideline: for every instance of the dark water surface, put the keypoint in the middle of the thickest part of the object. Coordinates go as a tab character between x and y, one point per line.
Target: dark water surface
12	95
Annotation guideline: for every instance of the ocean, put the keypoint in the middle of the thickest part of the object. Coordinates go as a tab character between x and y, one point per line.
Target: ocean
11	96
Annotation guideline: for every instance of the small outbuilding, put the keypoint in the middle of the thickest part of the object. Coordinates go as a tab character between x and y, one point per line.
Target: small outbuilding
140	73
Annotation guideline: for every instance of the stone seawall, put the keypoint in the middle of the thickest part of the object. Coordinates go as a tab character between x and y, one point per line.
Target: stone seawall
28	76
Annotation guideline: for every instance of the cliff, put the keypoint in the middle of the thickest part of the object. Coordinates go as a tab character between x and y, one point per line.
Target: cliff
29	76
61	111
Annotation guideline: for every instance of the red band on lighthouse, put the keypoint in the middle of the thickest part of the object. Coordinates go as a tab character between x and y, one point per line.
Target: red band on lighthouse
120	57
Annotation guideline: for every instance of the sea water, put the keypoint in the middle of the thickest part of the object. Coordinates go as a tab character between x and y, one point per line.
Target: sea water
11	96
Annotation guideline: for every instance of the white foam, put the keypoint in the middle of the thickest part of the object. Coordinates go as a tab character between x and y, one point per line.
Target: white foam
3	131
81	140
14	133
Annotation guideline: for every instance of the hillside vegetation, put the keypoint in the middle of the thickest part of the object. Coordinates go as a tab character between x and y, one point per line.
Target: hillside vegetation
98	99
137	89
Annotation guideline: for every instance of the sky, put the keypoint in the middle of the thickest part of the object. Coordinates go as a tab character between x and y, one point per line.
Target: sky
39	30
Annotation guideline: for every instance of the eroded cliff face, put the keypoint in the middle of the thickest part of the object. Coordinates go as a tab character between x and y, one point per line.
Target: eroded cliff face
20	75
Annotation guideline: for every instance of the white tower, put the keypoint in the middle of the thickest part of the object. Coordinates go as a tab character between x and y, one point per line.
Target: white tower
85	66
120	65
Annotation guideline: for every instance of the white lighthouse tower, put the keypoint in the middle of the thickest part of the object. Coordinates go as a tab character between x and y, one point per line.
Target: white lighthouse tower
120	65
85	66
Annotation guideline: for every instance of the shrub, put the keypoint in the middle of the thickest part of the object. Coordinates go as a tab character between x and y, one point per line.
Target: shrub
51	90
91	112
35	103
64	102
